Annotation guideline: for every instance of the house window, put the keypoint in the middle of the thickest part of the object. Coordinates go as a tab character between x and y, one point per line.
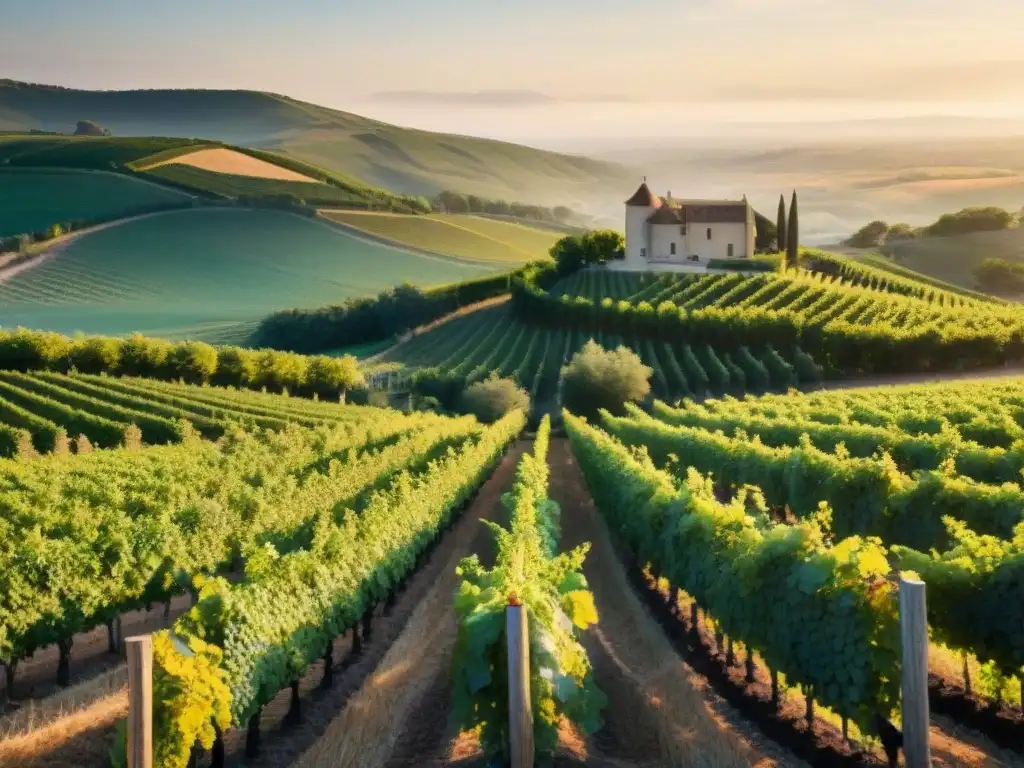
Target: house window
730	251
672	249
682	230
643	253
709	233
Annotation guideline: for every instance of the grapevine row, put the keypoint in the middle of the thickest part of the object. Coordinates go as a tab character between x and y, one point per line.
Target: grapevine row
822	615
553	590
90	537
256	637
866	496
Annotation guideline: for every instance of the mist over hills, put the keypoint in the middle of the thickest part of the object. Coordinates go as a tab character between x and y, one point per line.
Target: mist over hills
404	160
847	171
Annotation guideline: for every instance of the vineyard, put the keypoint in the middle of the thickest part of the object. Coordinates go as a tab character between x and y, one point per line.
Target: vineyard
293	527
99	411
830	492
553	589
475	344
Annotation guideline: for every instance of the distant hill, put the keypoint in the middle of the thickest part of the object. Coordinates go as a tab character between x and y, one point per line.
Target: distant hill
403	160
953	259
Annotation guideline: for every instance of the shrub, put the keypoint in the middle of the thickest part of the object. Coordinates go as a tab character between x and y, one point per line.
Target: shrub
61	443
132	437
23	350
236	367
429	404
596	378
445	386
96	355
494	397
971	220
25	449
192	361
1000	276
141	356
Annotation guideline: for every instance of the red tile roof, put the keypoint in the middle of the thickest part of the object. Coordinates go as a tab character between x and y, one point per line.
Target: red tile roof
666	214
644	197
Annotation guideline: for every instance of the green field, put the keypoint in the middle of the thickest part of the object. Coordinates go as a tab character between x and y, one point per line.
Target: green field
230	185
208	274
544	226
87	152
35	199
953	259
467	237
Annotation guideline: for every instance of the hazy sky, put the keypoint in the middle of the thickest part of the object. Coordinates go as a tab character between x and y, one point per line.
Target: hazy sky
913	54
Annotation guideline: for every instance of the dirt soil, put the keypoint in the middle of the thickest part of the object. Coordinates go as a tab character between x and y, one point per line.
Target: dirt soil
237	164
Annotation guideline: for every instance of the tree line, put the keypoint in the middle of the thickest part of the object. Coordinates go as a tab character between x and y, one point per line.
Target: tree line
964	222
192	362
448	201
401	308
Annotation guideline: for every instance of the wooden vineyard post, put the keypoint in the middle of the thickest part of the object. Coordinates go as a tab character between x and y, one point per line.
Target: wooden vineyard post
520	716
140	701
914	644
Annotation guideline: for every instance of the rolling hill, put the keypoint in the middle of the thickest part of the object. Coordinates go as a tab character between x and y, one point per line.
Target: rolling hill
953	259
34	199
400	159
468	237
208	274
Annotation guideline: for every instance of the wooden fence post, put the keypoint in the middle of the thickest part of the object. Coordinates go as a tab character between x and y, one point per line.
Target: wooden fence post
140	701
914	643
520	716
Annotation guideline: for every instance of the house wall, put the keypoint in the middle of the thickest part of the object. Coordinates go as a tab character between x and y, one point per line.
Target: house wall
662	237
636	233
658	239
718	246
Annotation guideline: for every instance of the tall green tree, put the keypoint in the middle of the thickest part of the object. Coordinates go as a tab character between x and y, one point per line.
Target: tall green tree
793	234
780	224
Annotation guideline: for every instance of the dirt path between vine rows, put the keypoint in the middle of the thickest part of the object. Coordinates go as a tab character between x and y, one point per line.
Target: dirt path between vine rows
657	713
660	713
399	717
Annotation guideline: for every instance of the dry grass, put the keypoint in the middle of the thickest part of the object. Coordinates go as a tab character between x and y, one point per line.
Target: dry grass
38	713
237	164
365	734
80	739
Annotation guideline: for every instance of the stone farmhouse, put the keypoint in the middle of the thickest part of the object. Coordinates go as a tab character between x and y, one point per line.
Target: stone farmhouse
665	231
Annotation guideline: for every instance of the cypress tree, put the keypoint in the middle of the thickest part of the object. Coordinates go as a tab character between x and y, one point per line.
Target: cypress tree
793	234
780	224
